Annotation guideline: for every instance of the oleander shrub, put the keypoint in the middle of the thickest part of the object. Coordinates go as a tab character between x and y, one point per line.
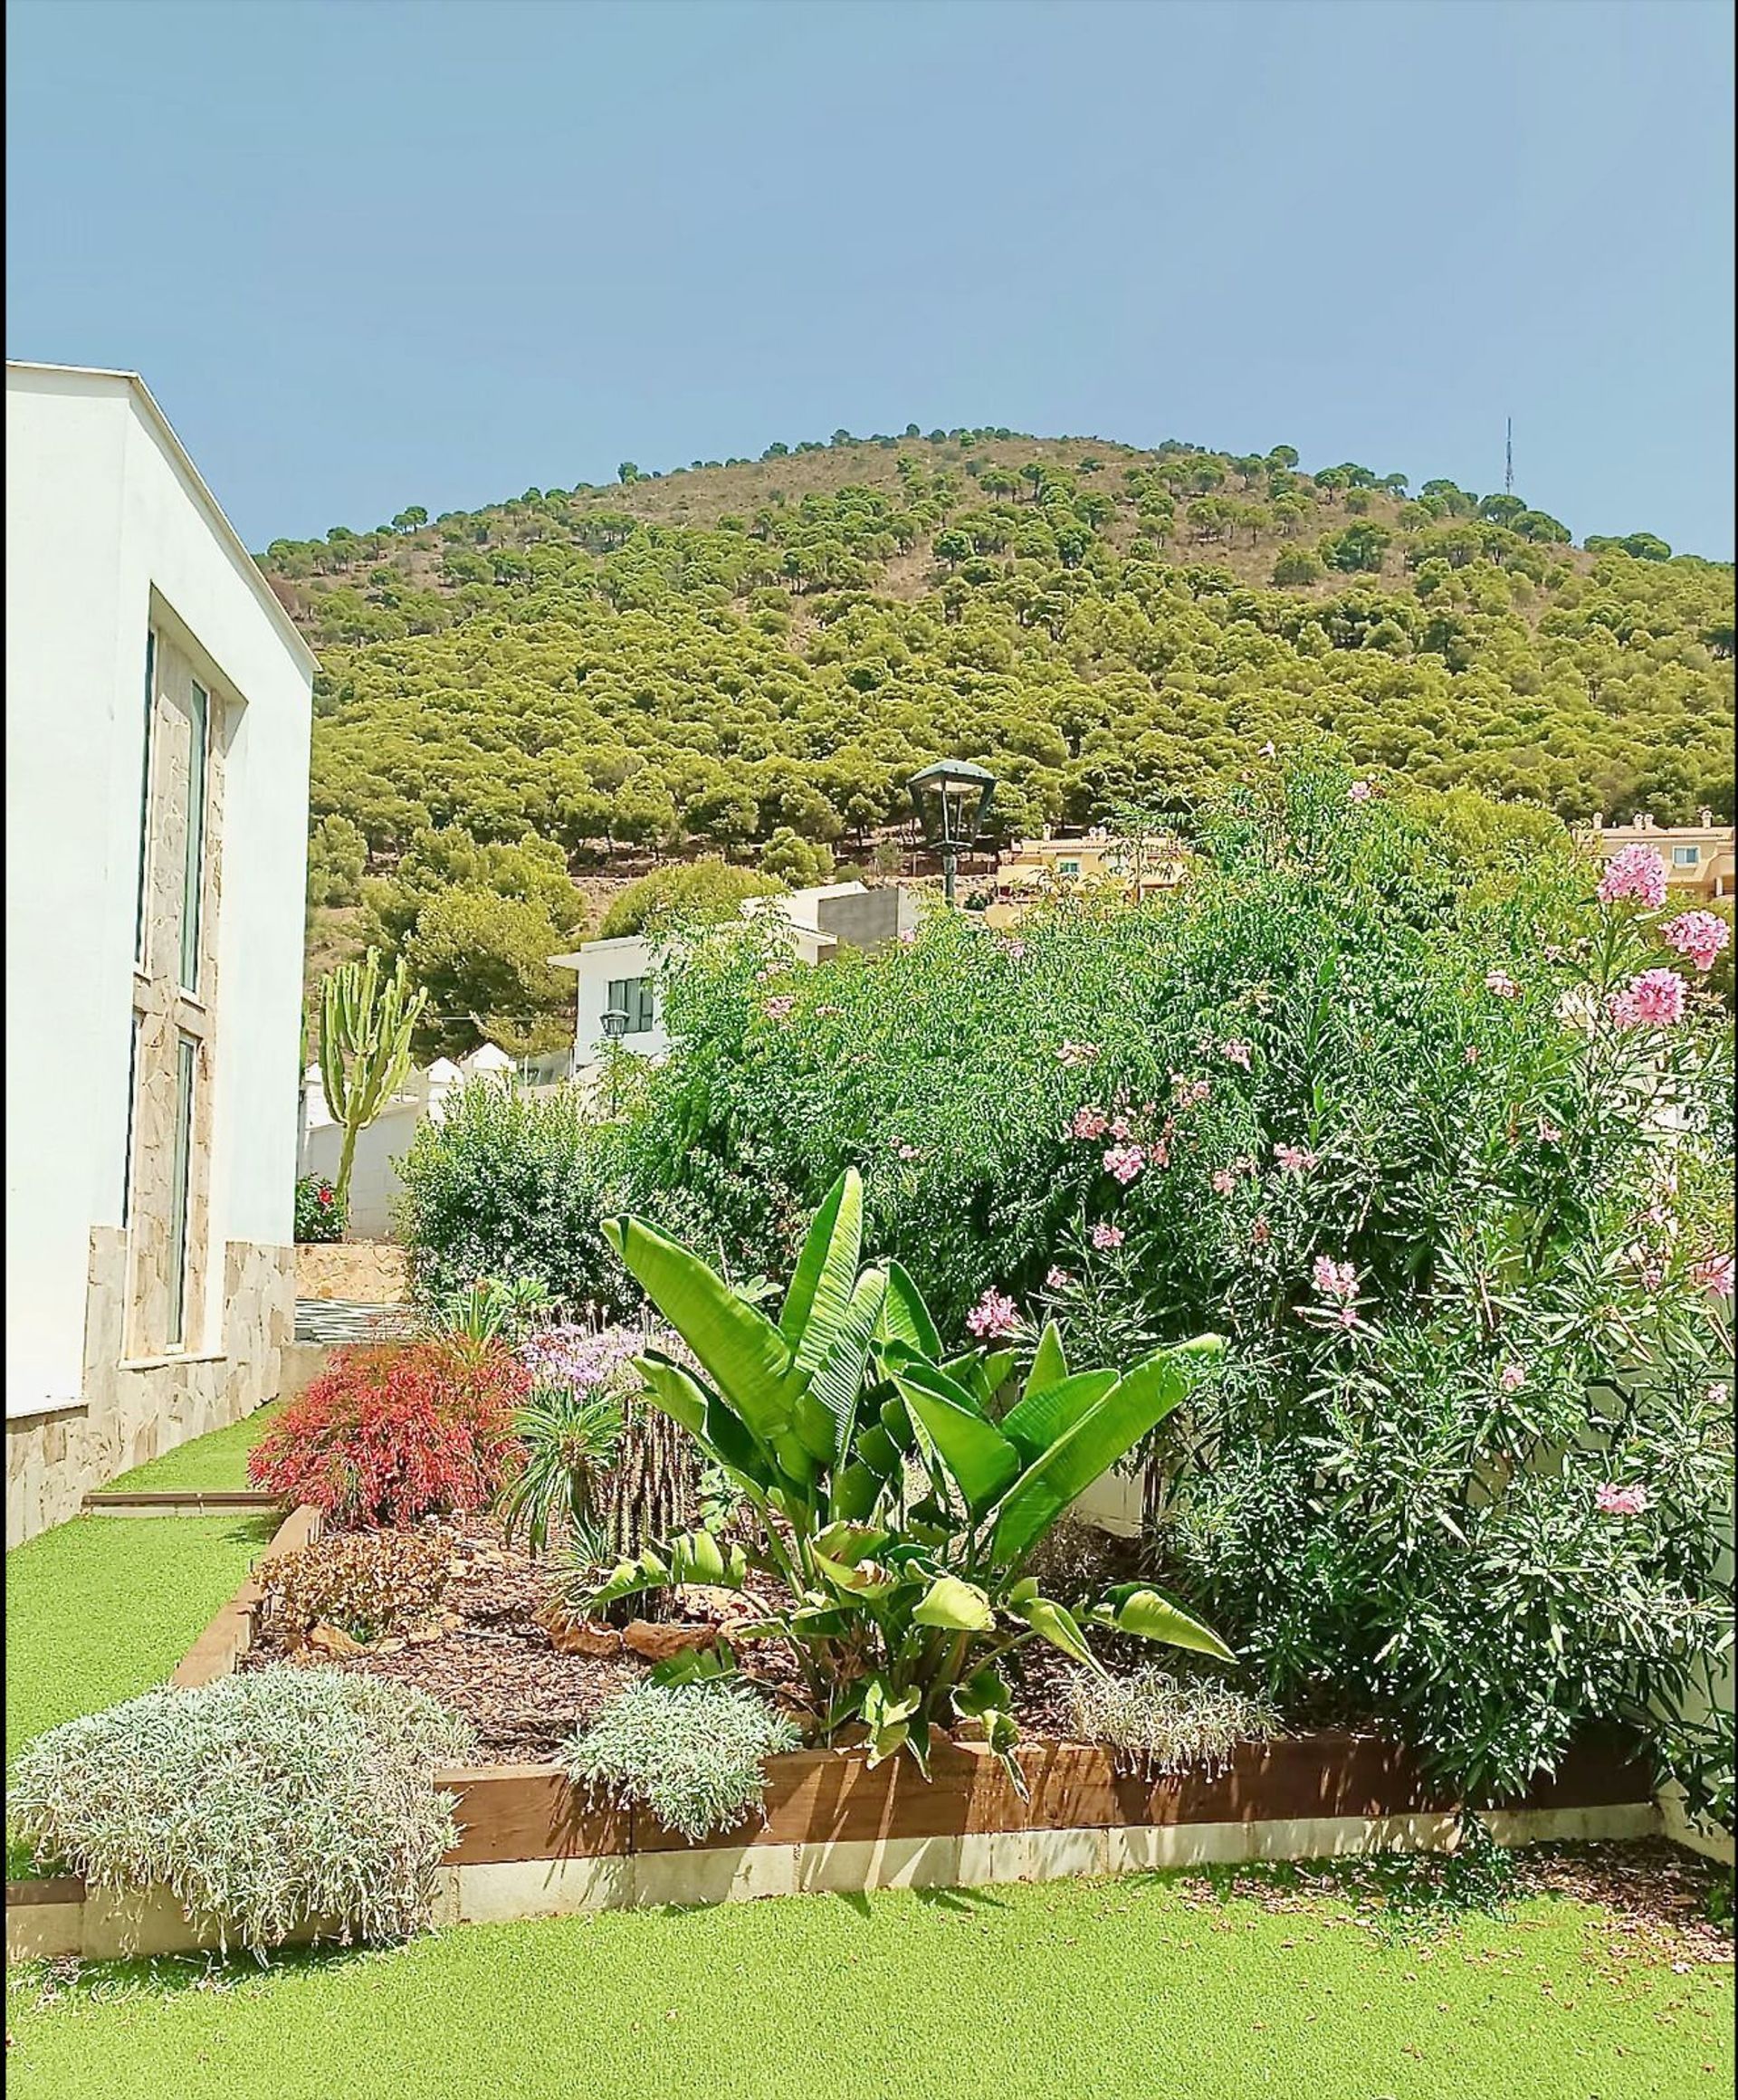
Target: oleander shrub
1154	1720
390	1434
366	1584
319	1215
264	1801
1438	1139
694	1754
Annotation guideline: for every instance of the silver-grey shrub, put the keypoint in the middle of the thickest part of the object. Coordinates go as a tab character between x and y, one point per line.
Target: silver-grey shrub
691	1753
264	1801
1153	1720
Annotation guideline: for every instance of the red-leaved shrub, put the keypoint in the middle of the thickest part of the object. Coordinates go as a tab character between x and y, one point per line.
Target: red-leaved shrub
389	1434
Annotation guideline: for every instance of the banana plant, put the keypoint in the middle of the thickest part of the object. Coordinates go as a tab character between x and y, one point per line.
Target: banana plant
366	1023
897	1508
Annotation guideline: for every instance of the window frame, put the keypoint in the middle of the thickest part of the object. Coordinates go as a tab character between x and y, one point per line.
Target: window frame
142	894
1686	856
196	844
187	1086
640	1006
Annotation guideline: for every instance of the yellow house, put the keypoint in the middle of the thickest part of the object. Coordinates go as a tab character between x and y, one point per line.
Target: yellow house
1698	857
1044	867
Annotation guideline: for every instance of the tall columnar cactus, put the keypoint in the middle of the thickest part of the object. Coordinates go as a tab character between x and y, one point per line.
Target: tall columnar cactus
365	1022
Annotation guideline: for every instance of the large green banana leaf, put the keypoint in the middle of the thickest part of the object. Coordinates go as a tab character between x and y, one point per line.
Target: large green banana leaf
838	1383
981	1459
1035	1423
825	1274
1137	1608
738	1348
1089	1448
905	1317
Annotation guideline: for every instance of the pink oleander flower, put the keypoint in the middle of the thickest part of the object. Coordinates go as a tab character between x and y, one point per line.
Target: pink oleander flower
780	1009
1107	1237
1190	1092
1621	1501
1360	791
1014	950
1260	1233
1090	1122
1655	999
907	1151
1334	1279
1120	1127
829	1009
1294	1159
1056	1279
1500	982
1224	1181
1698	935
1713	1273
1720	1395
1511	1378
1158	1155
1268	749
1636	872
1235	1052
994	1315
1347	1316
1077	1053
1124	1162
1549	1134
1470	1054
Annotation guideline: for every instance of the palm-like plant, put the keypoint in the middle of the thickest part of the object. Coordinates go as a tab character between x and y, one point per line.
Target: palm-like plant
896	1512
572	1437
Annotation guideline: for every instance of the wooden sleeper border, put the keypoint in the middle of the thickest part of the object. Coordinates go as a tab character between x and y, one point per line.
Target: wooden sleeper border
531	1846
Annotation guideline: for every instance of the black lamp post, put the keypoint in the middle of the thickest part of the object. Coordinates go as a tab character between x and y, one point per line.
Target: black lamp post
615	1029
951	799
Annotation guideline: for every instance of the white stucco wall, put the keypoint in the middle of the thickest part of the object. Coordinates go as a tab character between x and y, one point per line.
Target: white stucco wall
107	527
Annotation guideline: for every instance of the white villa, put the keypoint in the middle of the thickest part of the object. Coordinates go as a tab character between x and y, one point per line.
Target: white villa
157	708
621	975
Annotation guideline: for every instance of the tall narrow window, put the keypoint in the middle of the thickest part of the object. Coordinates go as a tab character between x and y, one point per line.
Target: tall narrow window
132	1122
193	880
180	1189
145	796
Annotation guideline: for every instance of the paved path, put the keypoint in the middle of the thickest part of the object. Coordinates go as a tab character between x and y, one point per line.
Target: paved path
335	1320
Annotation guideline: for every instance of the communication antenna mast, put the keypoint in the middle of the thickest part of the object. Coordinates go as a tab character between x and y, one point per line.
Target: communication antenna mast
1508	456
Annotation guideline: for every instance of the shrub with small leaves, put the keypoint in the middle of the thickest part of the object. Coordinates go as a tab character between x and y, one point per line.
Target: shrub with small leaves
389	1434
367	1584
1155	1721
264	1801
691	1753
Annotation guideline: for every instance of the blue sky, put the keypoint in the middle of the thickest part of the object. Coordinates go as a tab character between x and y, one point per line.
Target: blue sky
373	253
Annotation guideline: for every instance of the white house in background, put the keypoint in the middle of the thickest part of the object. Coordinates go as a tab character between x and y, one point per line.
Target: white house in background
622	974
374	1183
157	708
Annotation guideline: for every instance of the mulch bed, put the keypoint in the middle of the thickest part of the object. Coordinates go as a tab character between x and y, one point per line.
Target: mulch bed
495	1665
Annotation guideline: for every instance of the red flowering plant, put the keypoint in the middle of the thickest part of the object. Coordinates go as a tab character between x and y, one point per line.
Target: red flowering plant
392	1434
320	1216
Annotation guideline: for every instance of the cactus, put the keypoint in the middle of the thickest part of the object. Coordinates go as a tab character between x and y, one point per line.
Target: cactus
365	1022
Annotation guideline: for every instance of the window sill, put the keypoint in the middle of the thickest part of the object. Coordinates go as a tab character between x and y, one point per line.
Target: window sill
44	1410
175	1356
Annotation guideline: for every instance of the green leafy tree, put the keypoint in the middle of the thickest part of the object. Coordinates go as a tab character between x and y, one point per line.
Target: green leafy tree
702	891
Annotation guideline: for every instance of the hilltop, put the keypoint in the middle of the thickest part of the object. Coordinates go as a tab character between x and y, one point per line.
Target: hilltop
744	652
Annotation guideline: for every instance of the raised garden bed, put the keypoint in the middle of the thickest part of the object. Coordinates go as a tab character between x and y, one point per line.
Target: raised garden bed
532	1846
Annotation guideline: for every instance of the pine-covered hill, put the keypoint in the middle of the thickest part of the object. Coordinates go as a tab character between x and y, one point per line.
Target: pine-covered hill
703	658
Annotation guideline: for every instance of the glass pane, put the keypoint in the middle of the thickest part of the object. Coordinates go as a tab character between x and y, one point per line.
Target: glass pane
145	795
645	1006
180	1190
132	1122
193	879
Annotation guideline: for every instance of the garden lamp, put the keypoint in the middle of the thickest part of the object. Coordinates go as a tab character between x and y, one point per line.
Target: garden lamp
615	1029
951	799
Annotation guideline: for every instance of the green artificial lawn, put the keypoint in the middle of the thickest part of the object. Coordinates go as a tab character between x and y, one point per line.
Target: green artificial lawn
219	1461
102	1607
1127	1991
